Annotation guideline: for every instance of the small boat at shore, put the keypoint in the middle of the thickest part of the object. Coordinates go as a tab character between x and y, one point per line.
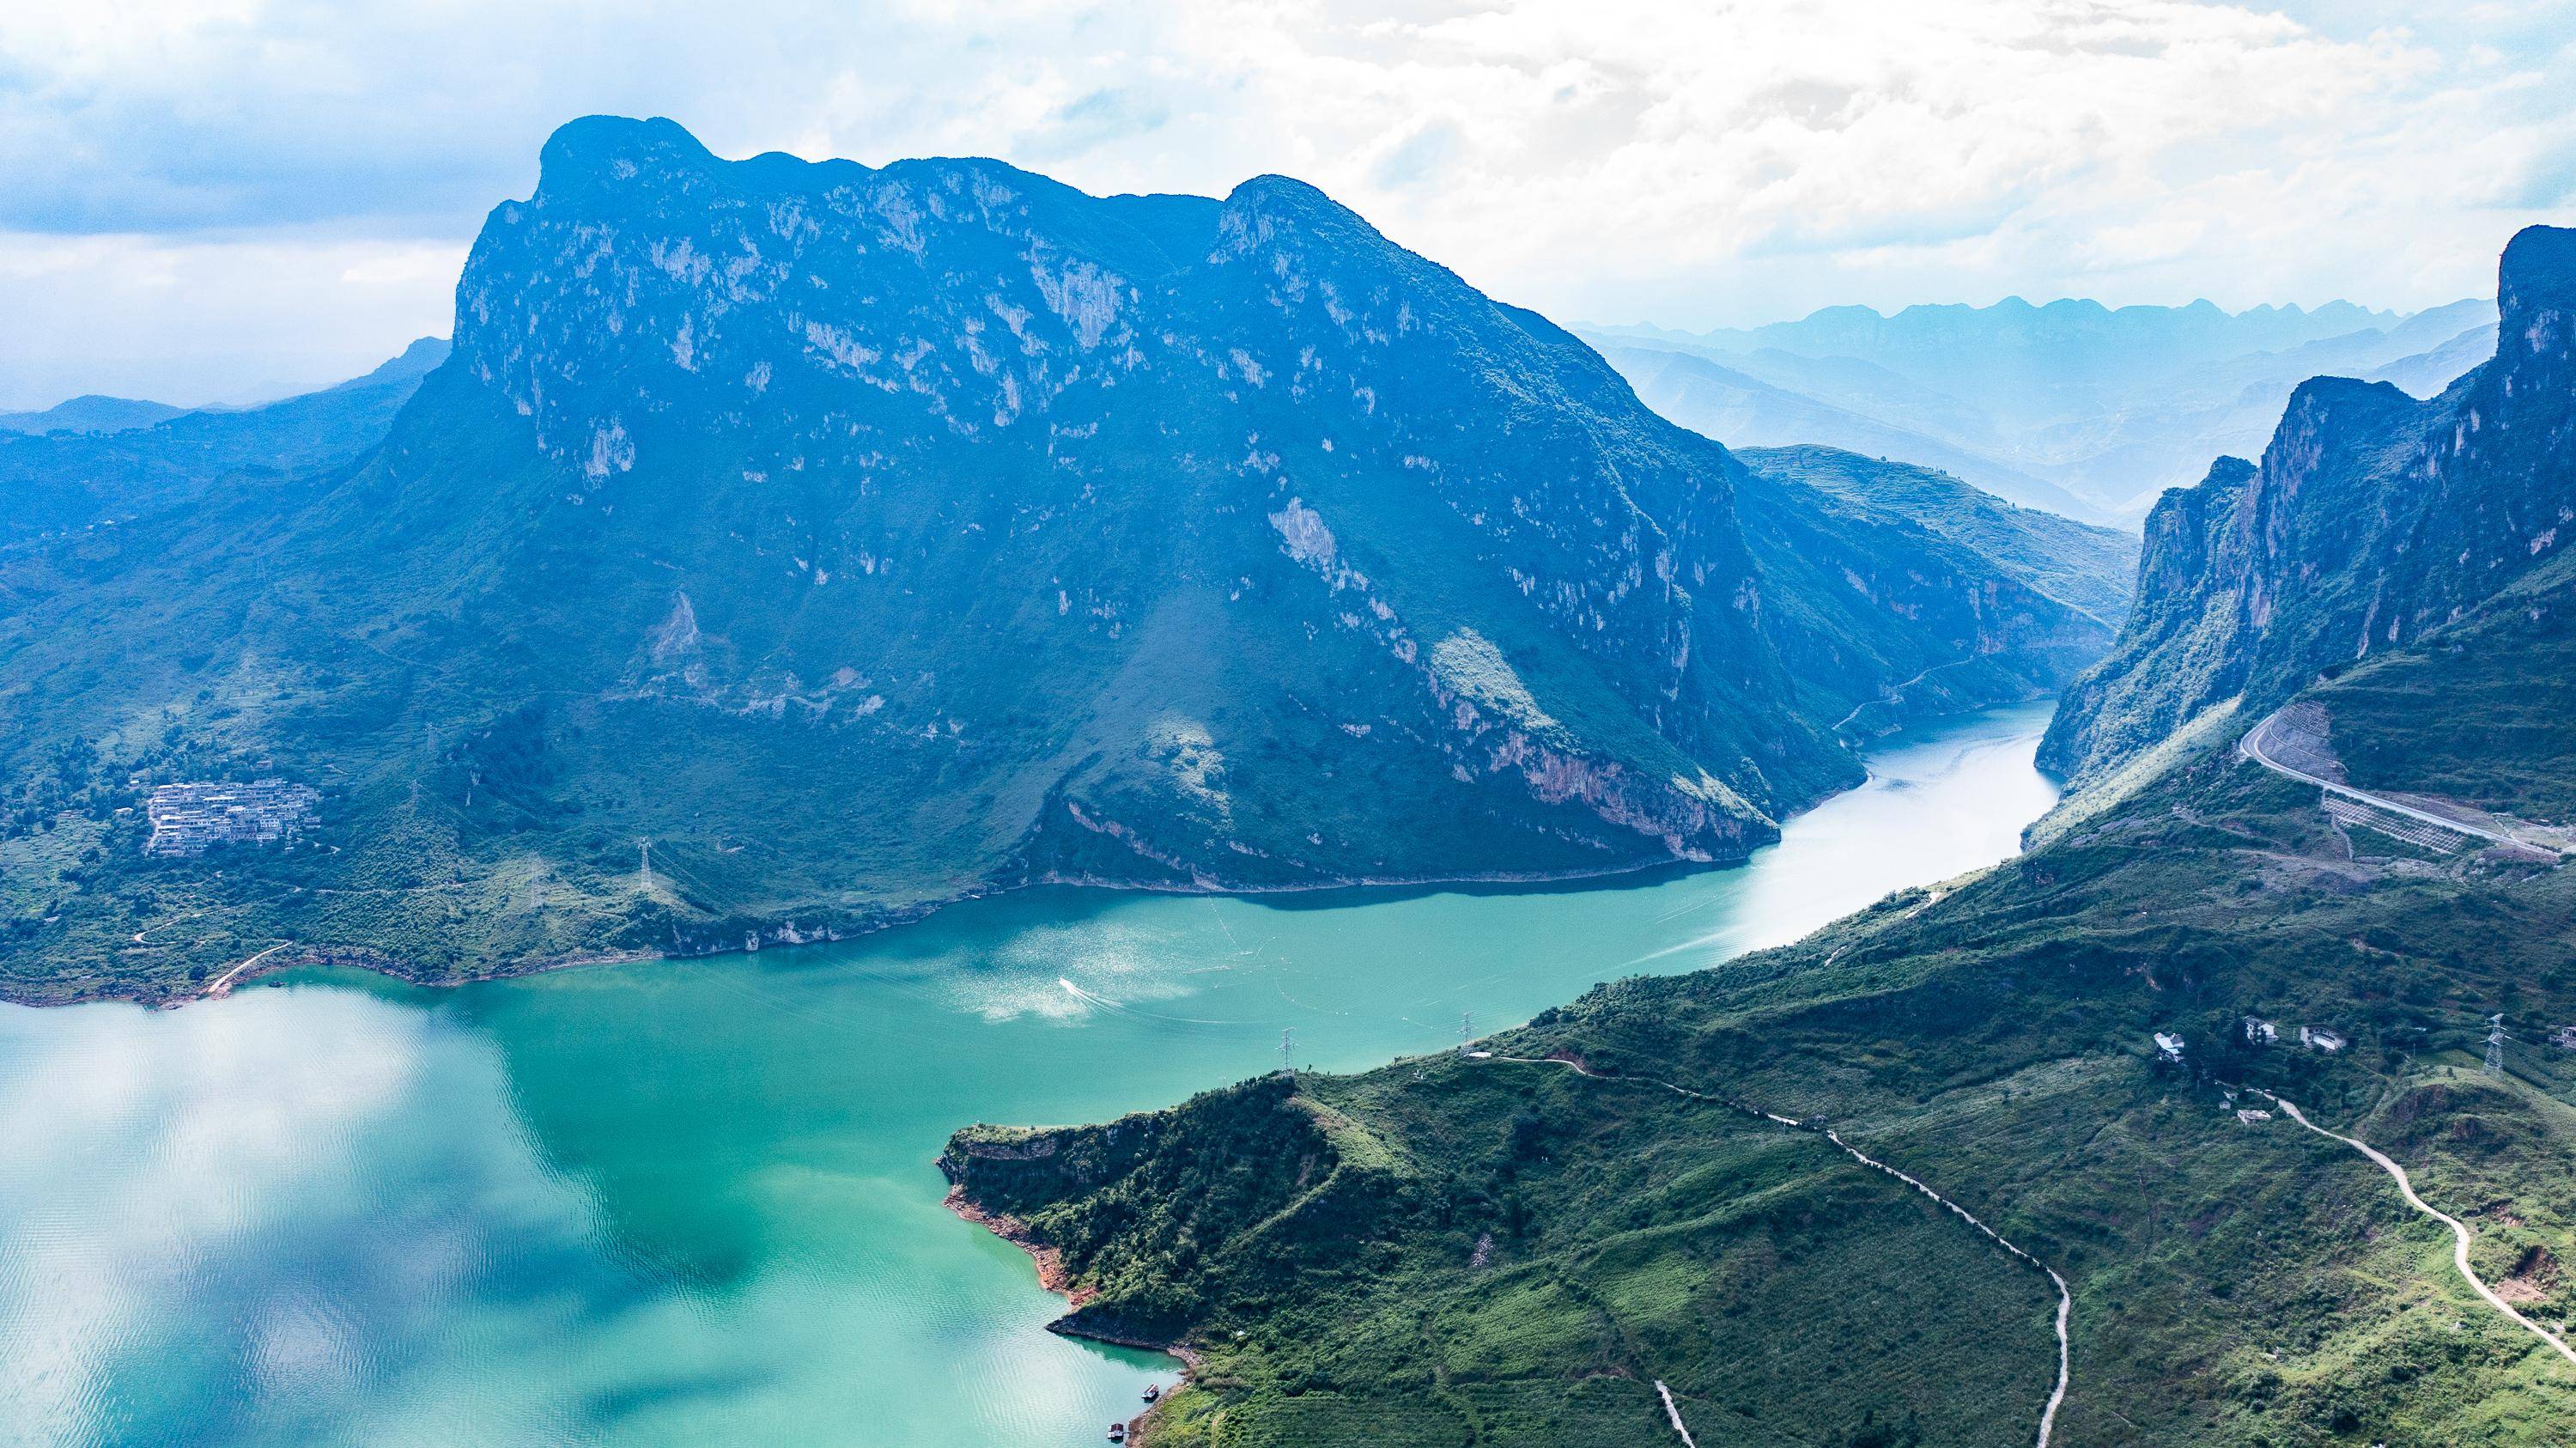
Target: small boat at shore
1153	1391
1117	1432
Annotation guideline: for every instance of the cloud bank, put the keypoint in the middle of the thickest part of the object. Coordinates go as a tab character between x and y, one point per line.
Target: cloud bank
217	198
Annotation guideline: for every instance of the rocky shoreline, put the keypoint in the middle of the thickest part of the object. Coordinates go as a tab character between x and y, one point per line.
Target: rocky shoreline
1054	1278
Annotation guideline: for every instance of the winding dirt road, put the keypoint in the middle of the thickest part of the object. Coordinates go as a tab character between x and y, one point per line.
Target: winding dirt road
2065	1298
2459	1231
1673	1411
222	985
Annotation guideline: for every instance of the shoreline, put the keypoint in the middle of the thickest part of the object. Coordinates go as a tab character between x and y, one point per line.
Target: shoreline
1052	1277
365	958
359	957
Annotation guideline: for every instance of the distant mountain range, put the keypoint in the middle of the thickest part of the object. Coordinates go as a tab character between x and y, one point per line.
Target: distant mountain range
74	477
90	413
786	548
1744	411
2070	406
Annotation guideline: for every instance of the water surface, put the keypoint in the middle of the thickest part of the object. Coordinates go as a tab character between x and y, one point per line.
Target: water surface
692	1202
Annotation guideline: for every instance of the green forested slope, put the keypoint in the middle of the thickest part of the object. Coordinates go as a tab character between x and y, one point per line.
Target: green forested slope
2089	568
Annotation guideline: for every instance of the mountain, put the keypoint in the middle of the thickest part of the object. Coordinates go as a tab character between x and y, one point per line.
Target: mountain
2430	372
2016	358
788	547
1833	1193
2372	518
2089	569
2111	406
1743	411
90	413
70	480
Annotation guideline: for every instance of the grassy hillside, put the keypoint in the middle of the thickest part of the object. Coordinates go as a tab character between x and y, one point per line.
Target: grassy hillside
2236	1279
2402	721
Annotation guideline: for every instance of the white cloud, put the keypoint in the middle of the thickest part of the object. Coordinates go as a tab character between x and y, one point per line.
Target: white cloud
1692	162
194	320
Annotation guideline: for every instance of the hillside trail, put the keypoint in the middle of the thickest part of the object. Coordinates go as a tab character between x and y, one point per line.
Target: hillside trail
222	985
1892	696
2065	1298
2460	1236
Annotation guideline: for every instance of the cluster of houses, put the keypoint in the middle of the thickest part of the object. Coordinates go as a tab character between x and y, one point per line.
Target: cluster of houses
188	819
2258	1032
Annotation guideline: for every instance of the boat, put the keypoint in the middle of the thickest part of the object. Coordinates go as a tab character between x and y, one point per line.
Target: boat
1117	1432
1153	1391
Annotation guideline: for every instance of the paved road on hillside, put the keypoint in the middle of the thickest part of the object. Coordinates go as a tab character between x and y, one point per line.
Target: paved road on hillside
2253	747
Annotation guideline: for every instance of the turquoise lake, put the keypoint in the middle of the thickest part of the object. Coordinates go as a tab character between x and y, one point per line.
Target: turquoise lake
693	1202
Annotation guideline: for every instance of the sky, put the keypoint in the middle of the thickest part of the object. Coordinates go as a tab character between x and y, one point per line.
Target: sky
221	200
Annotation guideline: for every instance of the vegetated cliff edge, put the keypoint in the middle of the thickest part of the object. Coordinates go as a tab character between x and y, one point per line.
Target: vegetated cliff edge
2371	519
787	546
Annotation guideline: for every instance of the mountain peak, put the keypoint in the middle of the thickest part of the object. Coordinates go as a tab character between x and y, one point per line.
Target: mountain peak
2373	519
2537	275
415	362
1272	188
1273	205
596	151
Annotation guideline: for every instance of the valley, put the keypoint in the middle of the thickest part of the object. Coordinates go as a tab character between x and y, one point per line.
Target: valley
2071	406
898	801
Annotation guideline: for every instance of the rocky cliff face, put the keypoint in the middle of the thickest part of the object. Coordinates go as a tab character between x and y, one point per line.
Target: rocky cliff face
2372	518
864	537
1137	426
